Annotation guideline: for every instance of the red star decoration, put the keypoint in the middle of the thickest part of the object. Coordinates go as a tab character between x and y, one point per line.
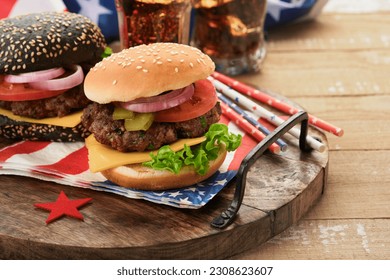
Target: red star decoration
63	206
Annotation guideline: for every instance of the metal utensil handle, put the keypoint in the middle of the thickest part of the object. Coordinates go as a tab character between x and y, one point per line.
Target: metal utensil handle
228	215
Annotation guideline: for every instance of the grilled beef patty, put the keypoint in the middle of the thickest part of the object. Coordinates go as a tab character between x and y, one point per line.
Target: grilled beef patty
97	118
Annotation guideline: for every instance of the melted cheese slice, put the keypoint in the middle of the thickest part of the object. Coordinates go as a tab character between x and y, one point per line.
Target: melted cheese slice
67	121
102	157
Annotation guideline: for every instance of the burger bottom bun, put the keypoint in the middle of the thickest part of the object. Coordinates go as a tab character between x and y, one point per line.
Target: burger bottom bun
16	130
140	177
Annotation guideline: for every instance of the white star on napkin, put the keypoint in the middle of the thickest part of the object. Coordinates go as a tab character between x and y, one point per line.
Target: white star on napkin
274	7
93	9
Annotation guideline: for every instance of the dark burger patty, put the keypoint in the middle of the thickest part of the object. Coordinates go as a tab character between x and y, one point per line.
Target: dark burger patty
57	106
97	118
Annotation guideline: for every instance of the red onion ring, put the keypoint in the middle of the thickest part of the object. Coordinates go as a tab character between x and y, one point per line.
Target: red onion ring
67	82
159	102
34	76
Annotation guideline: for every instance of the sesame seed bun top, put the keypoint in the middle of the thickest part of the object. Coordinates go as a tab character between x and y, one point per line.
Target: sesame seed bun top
50	39
146	70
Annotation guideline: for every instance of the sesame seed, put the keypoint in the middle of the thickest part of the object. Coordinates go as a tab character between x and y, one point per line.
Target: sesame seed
114	82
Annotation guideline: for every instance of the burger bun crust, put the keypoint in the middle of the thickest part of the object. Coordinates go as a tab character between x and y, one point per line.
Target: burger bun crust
146	70
140	177
39	41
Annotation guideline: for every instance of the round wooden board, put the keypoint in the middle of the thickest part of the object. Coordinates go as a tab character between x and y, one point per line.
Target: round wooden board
280	189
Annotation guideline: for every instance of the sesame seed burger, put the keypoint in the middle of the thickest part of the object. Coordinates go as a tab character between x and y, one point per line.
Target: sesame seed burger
154	118
43	60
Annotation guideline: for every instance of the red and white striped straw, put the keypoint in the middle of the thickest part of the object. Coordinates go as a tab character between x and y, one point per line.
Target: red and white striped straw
247	127
275	103
264	113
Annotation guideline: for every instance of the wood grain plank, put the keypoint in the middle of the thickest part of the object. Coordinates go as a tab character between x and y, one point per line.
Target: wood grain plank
353	239
348	108
363	118
115	227
312	74
333	32
358	186
363	135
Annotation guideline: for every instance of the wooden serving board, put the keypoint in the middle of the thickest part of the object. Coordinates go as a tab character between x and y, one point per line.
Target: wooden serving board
280	189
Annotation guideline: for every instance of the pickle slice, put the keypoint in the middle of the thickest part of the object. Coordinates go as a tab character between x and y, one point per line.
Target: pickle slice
140	121
121	114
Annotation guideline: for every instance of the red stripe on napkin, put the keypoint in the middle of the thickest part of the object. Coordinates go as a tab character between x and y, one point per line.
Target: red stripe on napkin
6	7
247	144
73	164
26	147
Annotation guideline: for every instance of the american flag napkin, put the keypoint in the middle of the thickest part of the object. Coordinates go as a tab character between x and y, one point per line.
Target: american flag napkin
67	164
11	8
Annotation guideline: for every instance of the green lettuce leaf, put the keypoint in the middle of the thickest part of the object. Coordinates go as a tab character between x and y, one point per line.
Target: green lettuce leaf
107	52
199	156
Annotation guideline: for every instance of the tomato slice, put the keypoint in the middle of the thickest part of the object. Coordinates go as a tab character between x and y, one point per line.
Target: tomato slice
22	92
203	100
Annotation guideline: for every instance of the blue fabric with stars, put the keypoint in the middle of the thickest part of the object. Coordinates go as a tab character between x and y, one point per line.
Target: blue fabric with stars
281	12
192	197
102	12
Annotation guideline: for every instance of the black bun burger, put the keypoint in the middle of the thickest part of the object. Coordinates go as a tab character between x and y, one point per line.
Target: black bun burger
43	60
154	118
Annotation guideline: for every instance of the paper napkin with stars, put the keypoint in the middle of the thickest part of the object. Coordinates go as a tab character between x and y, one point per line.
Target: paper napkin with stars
67	164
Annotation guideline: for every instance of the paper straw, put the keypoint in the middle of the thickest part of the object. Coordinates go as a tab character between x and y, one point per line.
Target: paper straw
275	103
246	126
252	121
264	113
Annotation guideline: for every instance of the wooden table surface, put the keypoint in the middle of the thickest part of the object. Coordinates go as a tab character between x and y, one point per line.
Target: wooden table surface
338	67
